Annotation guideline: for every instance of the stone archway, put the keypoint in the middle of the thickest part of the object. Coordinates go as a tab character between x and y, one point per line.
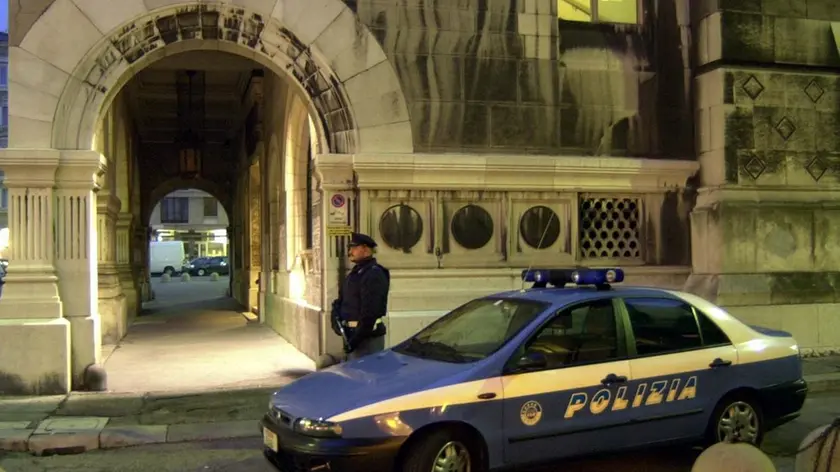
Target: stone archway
78	54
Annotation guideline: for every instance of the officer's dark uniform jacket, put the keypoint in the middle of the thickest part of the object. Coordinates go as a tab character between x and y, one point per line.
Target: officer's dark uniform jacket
364	300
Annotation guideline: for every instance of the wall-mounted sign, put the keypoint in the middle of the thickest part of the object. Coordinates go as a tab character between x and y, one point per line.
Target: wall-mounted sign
337	211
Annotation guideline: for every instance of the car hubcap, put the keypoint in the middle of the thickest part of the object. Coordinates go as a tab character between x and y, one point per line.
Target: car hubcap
738	423
453	457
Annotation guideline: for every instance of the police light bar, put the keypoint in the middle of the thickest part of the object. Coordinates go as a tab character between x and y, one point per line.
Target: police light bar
543	277
560	277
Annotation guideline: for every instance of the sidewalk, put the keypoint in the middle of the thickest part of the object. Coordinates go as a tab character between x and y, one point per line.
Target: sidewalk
79	422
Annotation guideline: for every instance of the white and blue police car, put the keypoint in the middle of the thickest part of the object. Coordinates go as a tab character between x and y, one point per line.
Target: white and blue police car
540	374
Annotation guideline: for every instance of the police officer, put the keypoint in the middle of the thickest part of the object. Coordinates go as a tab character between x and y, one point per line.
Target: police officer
363	300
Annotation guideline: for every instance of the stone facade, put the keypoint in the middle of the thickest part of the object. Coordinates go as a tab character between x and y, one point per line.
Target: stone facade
767	110
472	140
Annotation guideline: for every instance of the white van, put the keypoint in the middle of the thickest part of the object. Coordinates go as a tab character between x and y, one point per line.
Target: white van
166	256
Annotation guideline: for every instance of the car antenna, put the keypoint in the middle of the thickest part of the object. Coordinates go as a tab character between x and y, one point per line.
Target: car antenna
539	246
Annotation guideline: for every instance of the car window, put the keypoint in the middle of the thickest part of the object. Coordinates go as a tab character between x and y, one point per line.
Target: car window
473	331
712	334
581	334
662	325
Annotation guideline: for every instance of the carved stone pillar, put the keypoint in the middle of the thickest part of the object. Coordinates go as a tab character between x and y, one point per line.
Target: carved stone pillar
335	174
254	220
232	259
126	240
112	302
35	346
142	236
76	254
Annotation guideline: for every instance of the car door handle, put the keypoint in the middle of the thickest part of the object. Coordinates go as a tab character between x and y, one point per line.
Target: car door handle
613	379
720	363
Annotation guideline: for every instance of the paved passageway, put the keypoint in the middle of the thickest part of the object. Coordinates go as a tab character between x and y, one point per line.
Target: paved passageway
193	337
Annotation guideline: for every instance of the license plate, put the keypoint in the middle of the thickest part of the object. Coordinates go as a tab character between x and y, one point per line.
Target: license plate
270	440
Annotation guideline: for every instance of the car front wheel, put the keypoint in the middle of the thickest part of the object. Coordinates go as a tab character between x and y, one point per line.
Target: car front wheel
201	272
441	451
737	419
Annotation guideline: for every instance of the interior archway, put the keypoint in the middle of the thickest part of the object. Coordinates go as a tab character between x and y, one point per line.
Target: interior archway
225	109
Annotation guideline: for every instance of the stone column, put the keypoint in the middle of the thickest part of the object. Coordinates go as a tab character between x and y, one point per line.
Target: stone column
234	269
76	254
335	174
125	271
35	346
253	220
112	300
141	263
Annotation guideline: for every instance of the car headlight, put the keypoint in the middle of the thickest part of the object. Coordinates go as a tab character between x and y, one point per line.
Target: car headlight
318	428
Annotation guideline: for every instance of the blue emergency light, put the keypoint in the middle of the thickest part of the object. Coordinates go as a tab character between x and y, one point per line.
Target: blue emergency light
581	276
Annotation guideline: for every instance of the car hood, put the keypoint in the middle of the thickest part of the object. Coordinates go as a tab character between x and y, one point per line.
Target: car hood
365	381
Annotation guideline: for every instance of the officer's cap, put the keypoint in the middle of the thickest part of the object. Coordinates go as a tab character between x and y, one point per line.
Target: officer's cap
359	239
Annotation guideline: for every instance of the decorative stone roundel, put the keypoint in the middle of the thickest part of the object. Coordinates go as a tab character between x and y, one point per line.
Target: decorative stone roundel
539	227
401	227
472	227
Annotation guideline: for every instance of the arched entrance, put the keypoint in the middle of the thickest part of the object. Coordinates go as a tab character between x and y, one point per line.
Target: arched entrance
79	56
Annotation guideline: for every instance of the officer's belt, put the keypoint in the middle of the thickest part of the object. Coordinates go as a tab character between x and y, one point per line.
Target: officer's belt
355	324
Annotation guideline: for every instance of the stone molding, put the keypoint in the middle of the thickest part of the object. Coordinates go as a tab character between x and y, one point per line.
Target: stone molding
334	171
108	204
83	170
776	196
514	172
33	168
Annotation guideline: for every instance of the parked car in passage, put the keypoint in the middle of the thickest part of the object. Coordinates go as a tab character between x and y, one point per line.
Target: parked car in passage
207	265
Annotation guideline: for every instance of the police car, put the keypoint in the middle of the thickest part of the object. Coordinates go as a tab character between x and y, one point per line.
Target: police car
572	366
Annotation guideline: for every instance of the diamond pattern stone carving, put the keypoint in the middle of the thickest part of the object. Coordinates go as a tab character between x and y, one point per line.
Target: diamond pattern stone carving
755	167
785	128
816	168
752	87
814	91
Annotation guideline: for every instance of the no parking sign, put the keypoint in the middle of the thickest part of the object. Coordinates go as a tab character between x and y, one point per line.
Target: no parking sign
338	210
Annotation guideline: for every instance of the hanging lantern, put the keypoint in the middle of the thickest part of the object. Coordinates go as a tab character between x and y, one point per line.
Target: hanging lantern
189	159
189	149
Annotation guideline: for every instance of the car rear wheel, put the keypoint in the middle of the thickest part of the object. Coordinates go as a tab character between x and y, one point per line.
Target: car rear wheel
737	419
441	451
201	272
168	270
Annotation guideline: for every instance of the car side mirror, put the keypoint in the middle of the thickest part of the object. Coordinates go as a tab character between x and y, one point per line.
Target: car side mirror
531	361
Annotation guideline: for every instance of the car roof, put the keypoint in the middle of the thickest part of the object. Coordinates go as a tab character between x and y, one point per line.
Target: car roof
555	295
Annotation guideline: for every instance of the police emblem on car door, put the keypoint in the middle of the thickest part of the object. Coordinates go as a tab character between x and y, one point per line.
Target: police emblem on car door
562	387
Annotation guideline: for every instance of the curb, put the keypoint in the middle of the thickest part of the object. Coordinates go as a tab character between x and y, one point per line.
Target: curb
823	382
75	435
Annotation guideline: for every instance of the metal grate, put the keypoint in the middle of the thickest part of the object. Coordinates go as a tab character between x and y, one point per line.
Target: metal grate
610	228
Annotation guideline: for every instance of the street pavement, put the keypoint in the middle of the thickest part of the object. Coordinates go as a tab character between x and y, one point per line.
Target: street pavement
241	455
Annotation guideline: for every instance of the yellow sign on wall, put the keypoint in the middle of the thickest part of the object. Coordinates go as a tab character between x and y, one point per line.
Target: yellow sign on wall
339	230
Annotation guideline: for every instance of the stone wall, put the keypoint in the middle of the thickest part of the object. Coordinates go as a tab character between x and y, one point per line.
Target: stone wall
768	109
502	75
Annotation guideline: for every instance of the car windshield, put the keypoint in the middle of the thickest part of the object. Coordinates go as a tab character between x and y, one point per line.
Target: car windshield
472	331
